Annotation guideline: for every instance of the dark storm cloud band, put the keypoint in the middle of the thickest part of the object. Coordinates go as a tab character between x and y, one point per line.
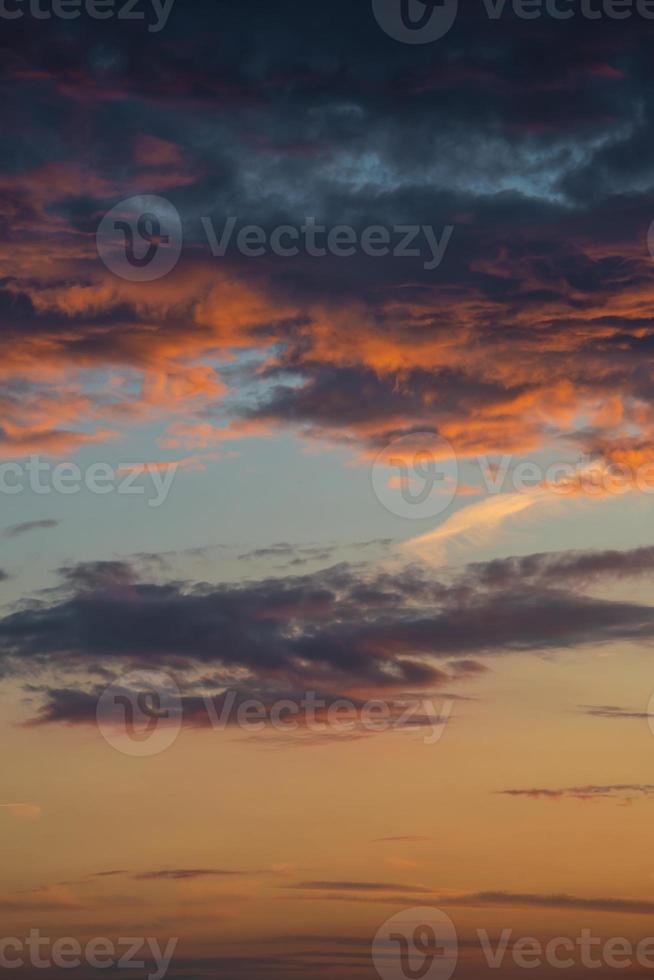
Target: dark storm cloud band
343	629
541	303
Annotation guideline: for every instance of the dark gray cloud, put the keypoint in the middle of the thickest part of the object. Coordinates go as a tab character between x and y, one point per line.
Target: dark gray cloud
577	567
348	619
624	792
516	900
359	886
180	874
336	630
165	874
613	712
498	899
16	530
546	175
400	840
283	711
295	555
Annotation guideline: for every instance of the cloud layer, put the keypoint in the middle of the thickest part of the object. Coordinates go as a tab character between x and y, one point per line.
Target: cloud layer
348	628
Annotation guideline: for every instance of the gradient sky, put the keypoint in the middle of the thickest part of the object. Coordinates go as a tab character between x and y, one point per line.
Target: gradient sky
283	559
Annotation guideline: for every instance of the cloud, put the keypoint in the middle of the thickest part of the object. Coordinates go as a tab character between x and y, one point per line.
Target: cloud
401	840
292	555
341	629
283	716
534	329
494	899
182	874
358	886
612	712
163	874
576	568
475	522
16	530
502	899
624	793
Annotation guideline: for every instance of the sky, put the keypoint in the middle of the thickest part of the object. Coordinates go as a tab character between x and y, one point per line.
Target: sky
327	480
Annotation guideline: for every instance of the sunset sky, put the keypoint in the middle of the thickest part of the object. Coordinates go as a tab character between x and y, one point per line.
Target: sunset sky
353	476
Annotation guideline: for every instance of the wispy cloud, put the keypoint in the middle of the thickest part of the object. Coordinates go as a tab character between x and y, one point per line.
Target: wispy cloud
614	712
475	523
408	839
17	530
359	886
624	793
